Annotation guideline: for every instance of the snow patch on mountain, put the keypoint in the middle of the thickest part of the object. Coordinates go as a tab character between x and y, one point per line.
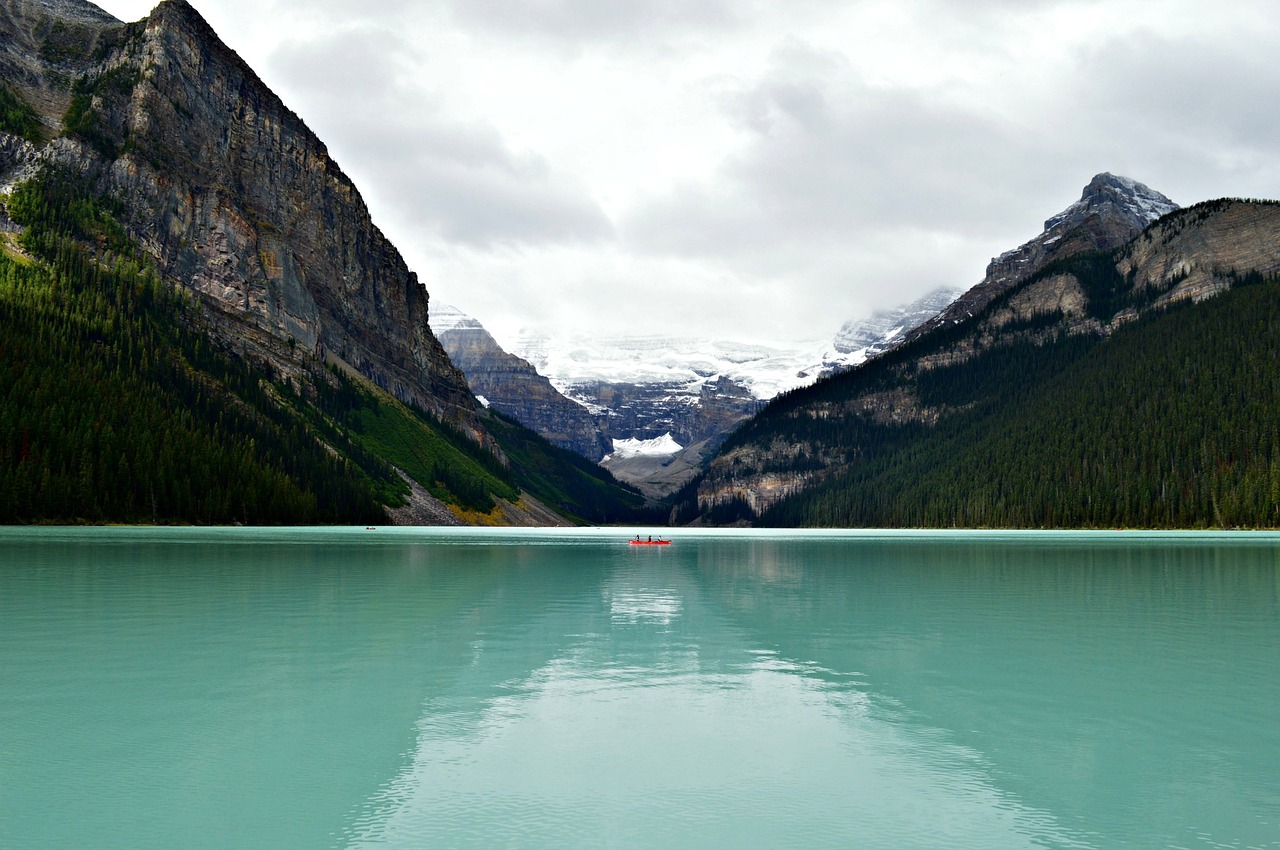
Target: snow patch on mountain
663	446
859	339
1139	202
686	364
687	367
446	317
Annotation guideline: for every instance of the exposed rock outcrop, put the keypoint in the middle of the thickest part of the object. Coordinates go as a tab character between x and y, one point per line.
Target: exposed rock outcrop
233	197
513	386
1188	254
1111	211
1197	253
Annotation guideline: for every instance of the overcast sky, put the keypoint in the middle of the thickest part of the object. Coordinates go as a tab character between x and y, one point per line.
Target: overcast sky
752	169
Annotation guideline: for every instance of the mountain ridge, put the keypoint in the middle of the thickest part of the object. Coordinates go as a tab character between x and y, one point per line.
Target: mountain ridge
195	243
514	386
945	374
678	397
1110	212
226	186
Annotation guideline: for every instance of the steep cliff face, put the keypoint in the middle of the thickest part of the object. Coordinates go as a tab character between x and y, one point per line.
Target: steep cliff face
156	197
514	387
238	201
1201	251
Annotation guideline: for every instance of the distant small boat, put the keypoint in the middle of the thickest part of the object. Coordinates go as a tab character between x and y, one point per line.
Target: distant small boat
658	542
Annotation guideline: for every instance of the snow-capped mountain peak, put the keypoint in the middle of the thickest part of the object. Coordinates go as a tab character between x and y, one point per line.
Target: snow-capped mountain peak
446	317
685	362
1136	201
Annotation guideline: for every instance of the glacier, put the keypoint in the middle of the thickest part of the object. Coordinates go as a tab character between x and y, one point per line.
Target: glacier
663	446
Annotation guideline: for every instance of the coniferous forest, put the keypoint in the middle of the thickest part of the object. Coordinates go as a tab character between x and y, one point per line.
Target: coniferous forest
1172	421
117	407
1169	420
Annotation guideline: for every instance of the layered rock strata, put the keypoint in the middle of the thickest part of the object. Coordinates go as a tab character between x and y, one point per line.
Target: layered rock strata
232	195
513	386
1111	212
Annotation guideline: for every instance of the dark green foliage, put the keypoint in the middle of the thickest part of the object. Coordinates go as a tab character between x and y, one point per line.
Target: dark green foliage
82	122
458	470
684	502
451	467
731	512
1172	422
116	408
88	124
1105	288
60	213
565	480
17	118
990	382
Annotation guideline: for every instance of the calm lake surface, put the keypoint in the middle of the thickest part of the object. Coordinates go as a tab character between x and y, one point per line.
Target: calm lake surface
178	688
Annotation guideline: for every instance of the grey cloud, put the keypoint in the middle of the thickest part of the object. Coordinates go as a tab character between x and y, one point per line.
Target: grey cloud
343	9
584	22
458	180
482	195
587	21
838	184
830	157
898	188
355	62
1203	111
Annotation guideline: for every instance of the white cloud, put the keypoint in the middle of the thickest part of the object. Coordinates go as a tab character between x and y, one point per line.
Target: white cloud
589	22
754	168
447	178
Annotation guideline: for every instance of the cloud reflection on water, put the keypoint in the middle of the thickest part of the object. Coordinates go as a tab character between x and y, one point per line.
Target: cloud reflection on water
660	722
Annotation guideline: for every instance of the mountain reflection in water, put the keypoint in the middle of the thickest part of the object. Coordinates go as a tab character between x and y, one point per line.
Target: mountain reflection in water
564	690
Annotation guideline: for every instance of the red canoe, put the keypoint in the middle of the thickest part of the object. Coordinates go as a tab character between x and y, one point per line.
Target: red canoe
650	542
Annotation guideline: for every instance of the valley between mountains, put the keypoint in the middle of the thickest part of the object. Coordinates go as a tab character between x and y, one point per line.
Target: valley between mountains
200	323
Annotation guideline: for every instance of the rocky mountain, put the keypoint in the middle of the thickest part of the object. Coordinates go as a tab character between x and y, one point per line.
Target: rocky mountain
1111	211
213	247
679	397
230	193
513	386
1130	386
642	389
861	339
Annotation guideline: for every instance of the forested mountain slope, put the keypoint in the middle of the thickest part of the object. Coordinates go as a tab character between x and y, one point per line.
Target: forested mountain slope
1131	387
200	323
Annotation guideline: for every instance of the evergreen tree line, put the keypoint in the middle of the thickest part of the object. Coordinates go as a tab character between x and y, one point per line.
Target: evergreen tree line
1172	422
1169	422
566	481
116	407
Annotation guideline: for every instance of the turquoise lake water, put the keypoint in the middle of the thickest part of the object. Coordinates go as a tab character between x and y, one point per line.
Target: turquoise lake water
180	688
